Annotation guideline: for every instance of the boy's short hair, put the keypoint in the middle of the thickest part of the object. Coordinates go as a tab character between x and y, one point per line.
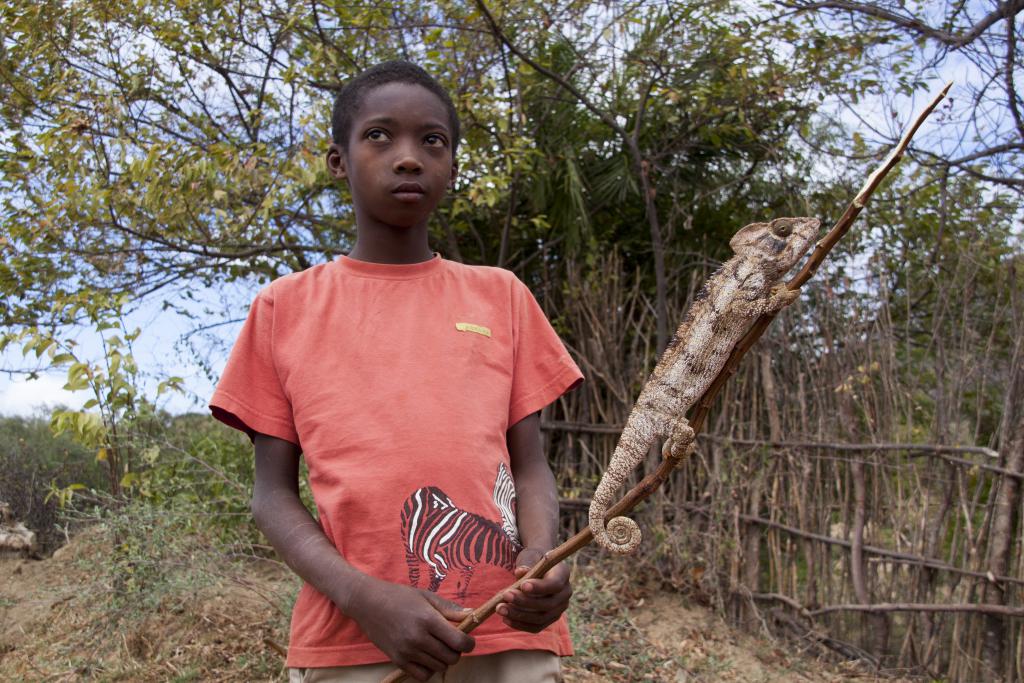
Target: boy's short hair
350	97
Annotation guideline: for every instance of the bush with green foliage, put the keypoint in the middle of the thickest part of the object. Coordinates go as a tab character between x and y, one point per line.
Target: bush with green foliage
33	462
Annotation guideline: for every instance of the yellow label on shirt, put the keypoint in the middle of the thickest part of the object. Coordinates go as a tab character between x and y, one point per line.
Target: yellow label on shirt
470	327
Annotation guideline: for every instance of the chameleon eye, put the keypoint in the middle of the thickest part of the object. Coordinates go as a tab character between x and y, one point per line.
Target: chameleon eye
782	229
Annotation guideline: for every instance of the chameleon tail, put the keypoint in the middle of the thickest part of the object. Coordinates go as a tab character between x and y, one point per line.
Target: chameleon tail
622	535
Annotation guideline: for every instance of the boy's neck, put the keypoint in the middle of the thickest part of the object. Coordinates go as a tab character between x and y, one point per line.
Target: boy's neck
400	247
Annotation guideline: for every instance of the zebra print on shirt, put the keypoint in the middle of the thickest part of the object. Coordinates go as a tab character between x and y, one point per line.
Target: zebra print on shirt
505	498
442	536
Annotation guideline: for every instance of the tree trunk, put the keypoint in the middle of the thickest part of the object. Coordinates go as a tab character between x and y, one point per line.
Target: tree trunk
876	624
1001	535
752	532
657	245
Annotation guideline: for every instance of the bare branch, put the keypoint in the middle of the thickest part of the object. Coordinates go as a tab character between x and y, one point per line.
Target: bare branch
496	30
654	481
999	610
952	40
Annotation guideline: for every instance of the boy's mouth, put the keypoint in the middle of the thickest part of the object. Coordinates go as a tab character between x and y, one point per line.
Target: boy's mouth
408	192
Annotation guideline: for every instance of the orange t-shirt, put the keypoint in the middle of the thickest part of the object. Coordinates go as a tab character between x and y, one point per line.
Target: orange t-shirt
399	383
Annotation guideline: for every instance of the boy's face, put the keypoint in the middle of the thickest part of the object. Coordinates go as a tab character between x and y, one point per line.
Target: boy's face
399	161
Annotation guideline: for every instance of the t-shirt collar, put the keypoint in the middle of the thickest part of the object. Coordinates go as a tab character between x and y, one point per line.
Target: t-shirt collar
390	271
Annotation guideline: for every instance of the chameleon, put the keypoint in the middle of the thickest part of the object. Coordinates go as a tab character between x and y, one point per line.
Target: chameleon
746	286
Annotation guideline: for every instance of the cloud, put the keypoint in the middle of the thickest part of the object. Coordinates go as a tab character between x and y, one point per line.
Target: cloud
26	397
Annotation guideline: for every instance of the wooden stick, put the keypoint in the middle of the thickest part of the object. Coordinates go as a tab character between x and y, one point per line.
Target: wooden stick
821	249
777	597
915	451
1000	610
652	482
889	555
881	446
276	647
589	428
645	488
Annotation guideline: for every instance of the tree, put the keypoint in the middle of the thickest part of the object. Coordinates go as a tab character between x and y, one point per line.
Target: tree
907	43
154	148
691	100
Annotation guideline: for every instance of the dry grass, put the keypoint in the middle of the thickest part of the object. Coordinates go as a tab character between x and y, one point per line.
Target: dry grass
624	630
58	623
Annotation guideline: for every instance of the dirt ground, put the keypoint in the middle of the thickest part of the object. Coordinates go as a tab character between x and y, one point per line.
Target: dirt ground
57	623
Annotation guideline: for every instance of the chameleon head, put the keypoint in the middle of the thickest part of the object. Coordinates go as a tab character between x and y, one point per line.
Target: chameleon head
778	244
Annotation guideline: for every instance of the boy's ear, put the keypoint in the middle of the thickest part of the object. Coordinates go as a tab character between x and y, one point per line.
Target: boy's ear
454	175
336	163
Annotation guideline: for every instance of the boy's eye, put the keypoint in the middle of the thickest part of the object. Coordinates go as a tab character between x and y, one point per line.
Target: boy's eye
376	134
435	140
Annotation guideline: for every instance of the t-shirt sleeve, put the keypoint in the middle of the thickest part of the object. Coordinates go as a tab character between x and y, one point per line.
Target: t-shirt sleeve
249	395
543	369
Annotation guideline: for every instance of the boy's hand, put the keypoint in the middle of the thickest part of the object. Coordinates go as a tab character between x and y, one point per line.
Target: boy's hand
411	626
538	602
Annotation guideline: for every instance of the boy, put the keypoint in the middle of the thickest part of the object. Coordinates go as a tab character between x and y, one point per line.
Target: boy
414	386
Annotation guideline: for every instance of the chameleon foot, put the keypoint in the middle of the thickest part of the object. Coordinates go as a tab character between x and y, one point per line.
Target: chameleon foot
682	443
780	297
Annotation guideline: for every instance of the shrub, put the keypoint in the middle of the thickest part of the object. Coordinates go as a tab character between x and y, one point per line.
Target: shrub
32	463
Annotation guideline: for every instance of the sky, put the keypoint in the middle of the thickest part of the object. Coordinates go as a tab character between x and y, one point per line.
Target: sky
158	351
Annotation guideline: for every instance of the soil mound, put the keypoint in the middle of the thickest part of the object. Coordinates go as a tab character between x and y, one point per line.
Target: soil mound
60	620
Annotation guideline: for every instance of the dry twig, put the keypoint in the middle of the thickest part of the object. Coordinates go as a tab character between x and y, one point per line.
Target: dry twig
653	481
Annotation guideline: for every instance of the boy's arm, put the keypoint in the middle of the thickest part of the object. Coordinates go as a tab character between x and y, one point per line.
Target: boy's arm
539	602
407	624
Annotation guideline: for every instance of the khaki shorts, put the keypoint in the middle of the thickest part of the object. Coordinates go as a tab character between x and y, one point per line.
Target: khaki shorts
514	666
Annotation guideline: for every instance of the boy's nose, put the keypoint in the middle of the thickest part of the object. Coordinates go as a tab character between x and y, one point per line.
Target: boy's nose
407	163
